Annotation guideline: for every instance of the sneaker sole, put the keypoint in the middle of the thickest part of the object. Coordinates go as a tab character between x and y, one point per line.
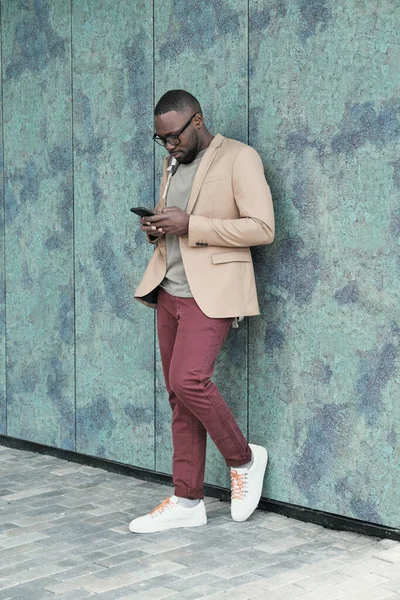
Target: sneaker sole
170	525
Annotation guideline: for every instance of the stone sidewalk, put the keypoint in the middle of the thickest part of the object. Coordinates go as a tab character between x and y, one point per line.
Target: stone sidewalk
64	535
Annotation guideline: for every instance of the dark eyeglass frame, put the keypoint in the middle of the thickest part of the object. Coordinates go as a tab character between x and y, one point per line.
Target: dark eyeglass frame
173	138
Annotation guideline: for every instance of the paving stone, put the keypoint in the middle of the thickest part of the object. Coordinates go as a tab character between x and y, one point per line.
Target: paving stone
241	593
24	590
126	545
98	544
72	584
390	555
390	570
371	565
284	566
329	594
281	580
282	593
156	593
324	580
392	585
373	593
6	527
99	586
78	571
27	493
6	542
18	550
361	582
7	571
386	543
118	559
363	553
30	575
32	517
41	527
140	570
231	584
319	567
74	595
121	593
164	581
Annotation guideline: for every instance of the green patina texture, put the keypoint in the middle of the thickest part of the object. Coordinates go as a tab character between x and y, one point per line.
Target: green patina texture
37	130
314	87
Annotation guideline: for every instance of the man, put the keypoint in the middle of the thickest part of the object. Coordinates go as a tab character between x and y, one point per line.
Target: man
200	278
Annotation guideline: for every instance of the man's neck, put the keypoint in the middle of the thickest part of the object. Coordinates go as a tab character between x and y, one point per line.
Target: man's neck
208	137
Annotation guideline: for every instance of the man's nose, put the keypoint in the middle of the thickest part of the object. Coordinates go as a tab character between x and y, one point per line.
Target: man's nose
170	146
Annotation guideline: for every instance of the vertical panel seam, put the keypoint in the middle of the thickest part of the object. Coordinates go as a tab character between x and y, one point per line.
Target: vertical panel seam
248	141
73	215
155	313
4	218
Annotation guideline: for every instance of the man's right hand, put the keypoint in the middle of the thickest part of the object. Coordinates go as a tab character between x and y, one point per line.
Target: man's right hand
150	229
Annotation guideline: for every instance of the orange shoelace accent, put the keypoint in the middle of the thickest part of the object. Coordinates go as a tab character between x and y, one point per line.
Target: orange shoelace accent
238	481
161	507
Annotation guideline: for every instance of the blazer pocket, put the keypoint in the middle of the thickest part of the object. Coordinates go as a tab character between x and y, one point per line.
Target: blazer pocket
224	257
213	180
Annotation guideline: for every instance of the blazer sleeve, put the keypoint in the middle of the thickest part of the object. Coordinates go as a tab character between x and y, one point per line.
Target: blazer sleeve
256	225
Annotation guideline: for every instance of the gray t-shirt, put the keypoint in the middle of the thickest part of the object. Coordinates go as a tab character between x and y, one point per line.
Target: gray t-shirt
175	282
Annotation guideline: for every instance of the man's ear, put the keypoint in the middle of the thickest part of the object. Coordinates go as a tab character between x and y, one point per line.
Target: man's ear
198	121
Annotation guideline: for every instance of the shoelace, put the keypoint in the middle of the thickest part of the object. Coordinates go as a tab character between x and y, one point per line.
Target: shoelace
158	510
238	485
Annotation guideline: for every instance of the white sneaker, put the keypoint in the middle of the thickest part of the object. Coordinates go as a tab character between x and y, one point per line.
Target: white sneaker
170	515
246	485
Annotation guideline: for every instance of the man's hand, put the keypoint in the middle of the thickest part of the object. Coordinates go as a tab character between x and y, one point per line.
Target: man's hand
150	229
171	220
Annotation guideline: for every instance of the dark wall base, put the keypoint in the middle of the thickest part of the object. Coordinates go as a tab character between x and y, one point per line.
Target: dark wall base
309	515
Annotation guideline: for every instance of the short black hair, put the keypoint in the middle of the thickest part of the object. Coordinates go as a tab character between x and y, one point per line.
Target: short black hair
177	100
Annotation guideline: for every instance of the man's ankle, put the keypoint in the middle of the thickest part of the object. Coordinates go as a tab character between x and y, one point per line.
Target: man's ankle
188	502
246	465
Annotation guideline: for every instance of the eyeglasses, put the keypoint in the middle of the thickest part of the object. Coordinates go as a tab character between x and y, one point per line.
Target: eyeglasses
173	138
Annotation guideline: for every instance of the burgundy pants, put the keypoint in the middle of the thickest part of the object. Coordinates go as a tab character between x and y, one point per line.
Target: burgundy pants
189	345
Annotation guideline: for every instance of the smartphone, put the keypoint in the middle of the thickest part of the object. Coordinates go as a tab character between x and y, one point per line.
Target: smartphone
141	211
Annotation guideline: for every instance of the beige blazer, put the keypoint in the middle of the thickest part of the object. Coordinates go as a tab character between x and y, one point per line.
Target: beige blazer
230	208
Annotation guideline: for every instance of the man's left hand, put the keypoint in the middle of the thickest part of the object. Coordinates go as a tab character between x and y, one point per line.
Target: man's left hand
171	220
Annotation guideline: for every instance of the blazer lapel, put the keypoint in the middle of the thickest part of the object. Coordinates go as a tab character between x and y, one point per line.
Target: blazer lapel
201	172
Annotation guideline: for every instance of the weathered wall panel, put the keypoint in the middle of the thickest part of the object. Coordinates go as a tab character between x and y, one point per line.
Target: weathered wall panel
3	410
324	388
38	216
206	55
113	160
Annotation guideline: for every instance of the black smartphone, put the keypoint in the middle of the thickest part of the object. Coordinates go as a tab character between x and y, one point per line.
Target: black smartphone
141	211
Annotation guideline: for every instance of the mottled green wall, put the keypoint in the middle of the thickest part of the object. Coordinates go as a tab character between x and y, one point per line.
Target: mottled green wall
314	87
324	114
37	136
